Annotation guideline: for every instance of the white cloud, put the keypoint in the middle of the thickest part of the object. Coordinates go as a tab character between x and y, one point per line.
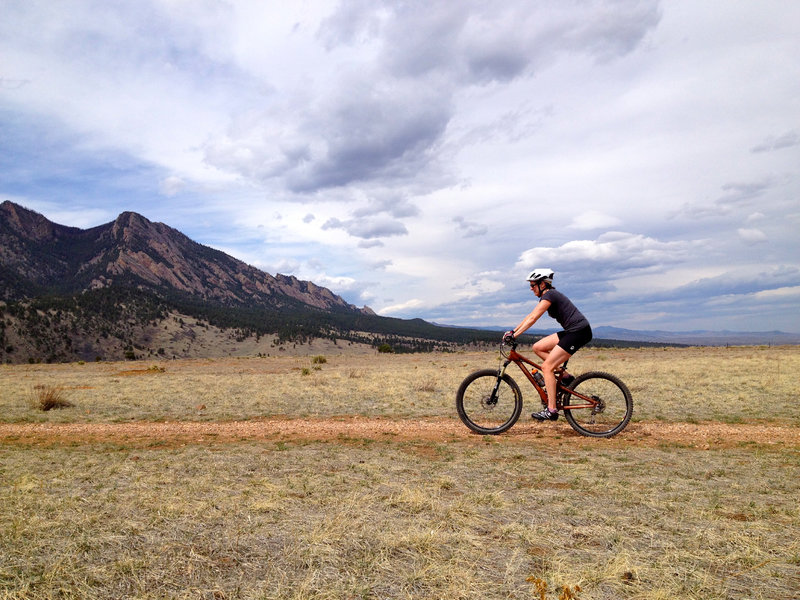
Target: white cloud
172	185
482	285
402	307
780	294
752	236
611	253
594	220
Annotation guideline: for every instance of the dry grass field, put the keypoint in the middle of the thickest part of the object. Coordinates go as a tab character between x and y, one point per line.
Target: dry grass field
343	476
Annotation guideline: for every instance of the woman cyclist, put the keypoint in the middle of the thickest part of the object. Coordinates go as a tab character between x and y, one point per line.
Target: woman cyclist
556	348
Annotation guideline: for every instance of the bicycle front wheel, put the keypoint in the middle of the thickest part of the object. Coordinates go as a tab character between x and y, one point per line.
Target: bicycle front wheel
487	405
611	412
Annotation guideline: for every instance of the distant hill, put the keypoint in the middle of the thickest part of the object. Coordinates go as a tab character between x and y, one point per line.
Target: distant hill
701	337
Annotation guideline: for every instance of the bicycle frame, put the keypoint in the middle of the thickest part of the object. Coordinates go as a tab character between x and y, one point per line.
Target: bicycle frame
520	360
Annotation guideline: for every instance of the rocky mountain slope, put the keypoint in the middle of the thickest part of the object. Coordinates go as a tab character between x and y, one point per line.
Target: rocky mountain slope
40	257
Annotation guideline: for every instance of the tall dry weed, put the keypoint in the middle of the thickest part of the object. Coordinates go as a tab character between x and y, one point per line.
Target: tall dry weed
48	397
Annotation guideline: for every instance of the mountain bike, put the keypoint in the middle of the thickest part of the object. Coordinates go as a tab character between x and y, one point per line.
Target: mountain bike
595	404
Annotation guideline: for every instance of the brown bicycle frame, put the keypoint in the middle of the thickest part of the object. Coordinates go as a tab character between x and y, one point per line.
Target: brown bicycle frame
520	360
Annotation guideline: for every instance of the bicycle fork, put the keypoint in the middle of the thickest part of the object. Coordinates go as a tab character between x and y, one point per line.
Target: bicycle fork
500	372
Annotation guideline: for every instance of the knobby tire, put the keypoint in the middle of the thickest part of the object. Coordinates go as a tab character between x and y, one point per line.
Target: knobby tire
608	419
483	413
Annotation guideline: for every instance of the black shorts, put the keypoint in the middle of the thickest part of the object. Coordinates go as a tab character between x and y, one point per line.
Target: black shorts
572	341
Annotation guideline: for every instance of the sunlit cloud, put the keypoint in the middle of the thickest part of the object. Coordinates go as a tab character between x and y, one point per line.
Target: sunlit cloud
751	236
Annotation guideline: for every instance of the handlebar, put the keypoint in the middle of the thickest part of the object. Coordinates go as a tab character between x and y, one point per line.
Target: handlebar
506	345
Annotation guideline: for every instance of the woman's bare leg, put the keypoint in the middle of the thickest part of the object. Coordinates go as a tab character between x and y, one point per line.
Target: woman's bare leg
556	357
553	356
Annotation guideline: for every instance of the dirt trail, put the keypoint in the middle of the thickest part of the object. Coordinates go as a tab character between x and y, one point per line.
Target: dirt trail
703	436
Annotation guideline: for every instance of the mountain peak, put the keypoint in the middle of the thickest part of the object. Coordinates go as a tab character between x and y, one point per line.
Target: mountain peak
133	251
26	222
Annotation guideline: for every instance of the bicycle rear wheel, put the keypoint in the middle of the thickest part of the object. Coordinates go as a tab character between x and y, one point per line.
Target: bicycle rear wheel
613	410
487	405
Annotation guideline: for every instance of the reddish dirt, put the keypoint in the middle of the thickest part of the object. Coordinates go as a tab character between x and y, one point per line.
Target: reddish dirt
702	436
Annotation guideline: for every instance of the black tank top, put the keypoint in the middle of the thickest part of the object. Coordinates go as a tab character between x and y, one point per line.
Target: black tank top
564	311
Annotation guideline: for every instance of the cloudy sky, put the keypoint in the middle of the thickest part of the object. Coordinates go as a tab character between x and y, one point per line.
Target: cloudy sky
420	157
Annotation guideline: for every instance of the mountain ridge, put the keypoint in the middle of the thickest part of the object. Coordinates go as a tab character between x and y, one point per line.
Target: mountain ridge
38	256
700	337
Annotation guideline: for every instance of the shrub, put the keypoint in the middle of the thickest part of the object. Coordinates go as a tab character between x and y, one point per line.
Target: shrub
319	360
48	397
385	348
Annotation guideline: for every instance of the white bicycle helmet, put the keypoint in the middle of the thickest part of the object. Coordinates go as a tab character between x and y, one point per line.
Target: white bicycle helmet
545	275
